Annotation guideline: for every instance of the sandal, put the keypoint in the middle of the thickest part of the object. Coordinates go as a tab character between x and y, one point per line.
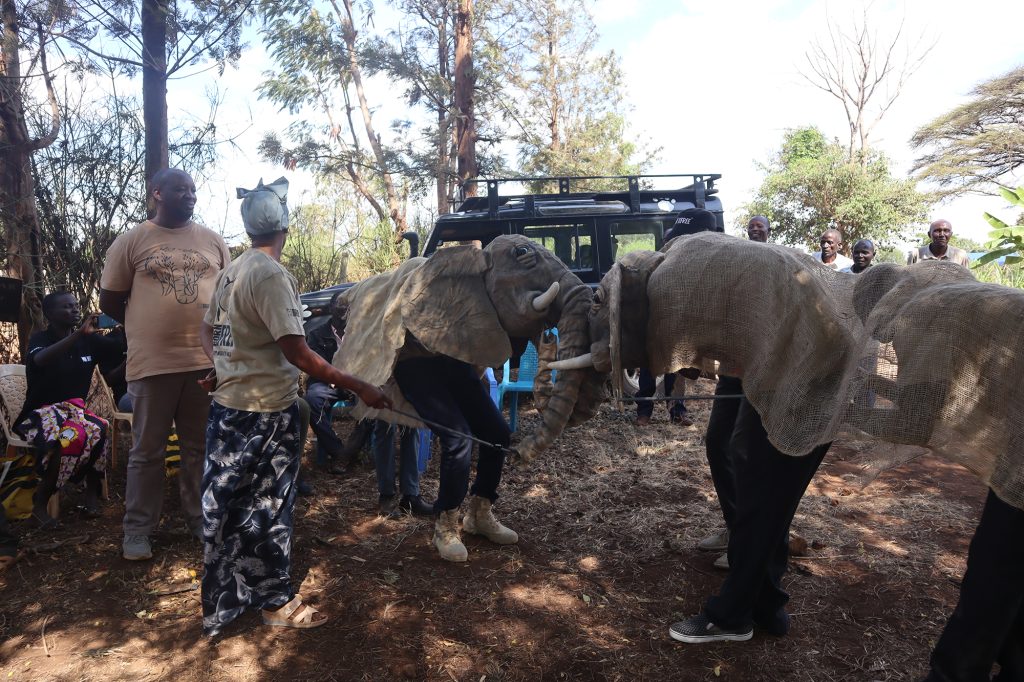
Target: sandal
294	614
45	522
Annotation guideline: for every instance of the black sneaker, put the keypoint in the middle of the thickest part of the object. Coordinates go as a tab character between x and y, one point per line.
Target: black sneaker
387	504
414	504
776	624
699	630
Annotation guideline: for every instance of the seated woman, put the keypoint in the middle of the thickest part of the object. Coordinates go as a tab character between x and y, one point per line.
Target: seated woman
72	441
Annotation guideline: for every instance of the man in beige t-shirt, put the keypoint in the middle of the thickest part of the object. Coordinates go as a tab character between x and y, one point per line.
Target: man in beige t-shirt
157	280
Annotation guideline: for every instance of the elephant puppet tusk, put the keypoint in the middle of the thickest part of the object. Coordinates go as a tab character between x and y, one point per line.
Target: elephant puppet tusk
541	303
578	362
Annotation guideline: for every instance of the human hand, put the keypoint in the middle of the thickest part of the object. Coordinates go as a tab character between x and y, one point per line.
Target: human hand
209	382
374	397
90	324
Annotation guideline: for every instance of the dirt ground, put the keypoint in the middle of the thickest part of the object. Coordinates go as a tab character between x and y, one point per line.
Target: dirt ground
608	522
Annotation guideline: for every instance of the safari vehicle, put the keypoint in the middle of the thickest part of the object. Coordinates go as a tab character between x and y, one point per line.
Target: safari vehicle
588	230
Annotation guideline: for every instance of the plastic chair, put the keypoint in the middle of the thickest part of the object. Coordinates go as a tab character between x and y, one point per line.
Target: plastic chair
13	387
107	395
523	384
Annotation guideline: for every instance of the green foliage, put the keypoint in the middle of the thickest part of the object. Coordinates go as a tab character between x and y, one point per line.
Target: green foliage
812	186
969	148
90	184
1005	240
1007	275
570	114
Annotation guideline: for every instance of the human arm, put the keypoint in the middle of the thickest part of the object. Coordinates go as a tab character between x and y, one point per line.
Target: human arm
206	338
50	354
114	303
297	352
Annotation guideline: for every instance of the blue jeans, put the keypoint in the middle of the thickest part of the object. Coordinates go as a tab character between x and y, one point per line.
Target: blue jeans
449	392
321	398
384	459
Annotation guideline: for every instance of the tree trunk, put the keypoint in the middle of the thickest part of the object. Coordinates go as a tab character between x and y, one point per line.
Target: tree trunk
154	84
395	206
443	158
465	84
17	184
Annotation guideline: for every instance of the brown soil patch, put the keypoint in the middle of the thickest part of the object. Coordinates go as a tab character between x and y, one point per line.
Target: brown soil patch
608	521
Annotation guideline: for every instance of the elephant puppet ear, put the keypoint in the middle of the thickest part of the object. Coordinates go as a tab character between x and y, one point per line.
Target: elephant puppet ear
446	307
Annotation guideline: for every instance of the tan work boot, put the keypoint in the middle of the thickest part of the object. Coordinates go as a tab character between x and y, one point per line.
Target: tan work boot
446	536
480	521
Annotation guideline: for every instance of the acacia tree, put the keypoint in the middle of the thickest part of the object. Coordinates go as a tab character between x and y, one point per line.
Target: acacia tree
865	72
812	186
974	146
23	60
319	68
162	39
570	119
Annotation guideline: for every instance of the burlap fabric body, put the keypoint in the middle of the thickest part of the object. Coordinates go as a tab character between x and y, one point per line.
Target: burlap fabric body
375	335
384	311
921	356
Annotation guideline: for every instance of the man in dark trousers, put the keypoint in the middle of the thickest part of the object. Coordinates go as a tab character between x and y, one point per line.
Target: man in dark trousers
720	428
759	489
988	624
448	391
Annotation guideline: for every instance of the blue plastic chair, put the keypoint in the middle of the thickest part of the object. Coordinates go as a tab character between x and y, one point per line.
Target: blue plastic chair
523	384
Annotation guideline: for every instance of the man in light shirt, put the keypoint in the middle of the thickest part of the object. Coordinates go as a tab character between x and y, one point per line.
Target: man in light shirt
940	232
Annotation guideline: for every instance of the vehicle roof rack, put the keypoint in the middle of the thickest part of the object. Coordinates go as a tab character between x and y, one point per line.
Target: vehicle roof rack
701	185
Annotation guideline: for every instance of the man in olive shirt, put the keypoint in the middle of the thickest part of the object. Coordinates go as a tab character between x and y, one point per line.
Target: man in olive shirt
940	232
157	281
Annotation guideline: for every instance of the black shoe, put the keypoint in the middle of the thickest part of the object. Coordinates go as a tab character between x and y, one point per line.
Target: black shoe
388	504
332	467
303	488
414	504
699	630
776	624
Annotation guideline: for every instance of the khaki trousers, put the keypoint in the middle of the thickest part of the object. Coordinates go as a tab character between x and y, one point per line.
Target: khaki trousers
158	402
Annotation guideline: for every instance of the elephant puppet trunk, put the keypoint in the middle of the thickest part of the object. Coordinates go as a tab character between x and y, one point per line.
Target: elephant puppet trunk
574	300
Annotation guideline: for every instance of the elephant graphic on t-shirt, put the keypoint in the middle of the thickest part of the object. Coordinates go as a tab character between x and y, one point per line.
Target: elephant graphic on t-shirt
178	271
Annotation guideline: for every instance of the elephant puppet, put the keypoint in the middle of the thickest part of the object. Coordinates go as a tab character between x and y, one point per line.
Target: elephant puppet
766	313
470	304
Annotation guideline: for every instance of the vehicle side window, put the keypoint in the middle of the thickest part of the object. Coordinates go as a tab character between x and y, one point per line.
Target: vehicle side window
573	243
635	235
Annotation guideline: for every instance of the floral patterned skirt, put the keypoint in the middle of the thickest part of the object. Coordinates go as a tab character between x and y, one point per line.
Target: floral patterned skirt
248	494
77	434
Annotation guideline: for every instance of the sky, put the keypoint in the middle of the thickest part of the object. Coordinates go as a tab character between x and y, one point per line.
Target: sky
714	84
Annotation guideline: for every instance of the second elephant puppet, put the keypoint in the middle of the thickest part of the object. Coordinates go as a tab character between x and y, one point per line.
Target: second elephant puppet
473	305
766	313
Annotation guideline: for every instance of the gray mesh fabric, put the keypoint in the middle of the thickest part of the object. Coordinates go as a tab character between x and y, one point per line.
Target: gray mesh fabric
921	355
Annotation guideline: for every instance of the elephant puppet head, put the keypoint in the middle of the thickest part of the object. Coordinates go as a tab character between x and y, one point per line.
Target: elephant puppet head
467	303
618	320
882	290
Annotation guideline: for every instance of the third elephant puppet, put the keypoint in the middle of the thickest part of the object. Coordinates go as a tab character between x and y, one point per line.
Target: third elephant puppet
426	330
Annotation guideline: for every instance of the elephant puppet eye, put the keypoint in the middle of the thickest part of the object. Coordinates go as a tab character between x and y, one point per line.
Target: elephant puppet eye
525	255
